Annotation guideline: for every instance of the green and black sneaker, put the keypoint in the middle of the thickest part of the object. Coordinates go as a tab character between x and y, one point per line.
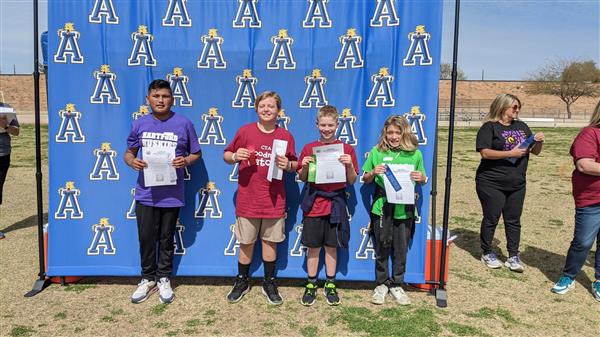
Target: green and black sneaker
330	291
310	294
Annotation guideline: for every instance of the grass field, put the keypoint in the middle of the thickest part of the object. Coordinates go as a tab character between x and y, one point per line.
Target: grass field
482	302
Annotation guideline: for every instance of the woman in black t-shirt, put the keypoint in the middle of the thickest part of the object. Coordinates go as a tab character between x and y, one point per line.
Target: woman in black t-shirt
504	143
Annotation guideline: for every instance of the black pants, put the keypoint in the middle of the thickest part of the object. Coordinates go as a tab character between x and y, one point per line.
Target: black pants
4	164
496	202
156	225
402	233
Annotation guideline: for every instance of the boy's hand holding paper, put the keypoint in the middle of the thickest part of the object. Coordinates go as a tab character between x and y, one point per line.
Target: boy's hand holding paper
329	168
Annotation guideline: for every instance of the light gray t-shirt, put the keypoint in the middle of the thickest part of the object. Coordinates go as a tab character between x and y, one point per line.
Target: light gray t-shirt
5	139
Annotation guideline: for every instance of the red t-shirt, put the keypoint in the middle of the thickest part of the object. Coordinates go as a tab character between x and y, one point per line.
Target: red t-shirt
322	206
586	188
256	196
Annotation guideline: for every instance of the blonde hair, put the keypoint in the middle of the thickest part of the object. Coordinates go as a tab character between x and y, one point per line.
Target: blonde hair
499	105
266	95
595	119
328	111
408	141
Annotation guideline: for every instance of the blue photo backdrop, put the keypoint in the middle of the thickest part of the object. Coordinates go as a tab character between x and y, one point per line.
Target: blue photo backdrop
369	58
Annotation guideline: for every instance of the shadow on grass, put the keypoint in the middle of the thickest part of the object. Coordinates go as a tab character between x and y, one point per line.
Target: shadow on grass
551	264
25	223
468	241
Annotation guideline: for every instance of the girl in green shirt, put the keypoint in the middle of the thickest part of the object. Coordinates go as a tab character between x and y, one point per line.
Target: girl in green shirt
392	225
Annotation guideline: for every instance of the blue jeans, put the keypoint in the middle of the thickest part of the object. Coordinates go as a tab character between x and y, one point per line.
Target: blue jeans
587	229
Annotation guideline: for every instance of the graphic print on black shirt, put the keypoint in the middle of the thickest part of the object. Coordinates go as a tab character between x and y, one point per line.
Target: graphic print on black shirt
502	173
512	138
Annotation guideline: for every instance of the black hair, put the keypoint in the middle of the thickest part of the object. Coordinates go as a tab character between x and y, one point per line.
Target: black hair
159	84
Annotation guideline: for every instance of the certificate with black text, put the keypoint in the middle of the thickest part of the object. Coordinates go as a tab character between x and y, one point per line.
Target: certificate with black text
329	168
159	170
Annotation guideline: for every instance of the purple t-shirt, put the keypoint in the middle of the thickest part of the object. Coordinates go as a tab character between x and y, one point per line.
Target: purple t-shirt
179	132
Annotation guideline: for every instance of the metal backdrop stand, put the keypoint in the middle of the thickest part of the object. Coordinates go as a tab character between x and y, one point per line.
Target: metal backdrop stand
433	246
441	296
42	282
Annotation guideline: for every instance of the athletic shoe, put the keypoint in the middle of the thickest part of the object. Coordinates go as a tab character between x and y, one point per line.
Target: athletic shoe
596	288
1	236
491	261
400	296
514	263
165	293
144	290
379	294
269	289
240	288
330	291
563	285
310	294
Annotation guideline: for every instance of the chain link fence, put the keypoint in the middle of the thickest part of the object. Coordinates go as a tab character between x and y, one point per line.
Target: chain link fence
475	109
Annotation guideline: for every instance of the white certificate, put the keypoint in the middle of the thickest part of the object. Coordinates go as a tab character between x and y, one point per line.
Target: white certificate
279	147
159	170
9	113
406	195
329	167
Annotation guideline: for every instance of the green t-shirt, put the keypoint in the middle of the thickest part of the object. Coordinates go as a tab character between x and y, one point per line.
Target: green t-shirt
391	157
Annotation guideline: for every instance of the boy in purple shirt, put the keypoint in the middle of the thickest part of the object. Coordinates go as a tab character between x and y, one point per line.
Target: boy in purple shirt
157	207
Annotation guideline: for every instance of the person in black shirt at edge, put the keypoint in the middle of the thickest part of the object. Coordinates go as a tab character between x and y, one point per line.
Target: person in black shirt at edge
500	178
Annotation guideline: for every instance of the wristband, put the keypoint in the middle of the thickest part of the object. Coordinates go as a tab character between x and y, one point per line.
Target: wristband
233	157
290	166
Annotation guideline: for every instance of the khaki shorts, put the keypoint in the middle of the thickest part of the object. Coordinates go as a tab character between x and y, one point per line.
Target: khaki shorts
247	229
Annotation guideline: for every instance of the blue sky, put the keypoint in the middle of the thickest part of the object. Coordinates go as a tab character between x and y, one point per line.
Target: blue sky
508	39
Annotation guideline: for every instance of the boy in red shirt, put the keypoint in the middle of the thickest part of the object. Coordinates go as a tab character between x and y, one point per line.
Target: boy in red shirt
260	203
326	222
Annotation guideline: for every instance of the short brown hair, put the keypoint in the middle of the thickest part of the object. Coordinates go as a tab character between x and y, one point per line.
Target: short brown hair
328	111
266	95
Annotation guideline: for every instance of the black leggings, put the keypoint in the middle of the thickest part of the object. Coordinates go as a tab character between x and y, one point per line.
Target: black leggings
496	202
4	164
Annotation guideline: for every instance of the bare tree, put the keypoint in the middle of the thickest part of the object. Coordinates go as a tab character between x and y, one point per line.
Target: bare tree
446	72
567	79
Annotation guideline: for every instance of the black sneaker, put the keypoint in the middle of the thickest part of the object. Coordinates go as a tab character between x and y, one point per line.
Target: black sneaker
330	291
270	291
310	294
240	288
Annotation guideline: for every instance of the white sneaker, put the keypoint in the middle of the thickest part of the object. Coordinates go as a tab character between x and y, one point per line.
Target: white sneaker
379	294
144	290
514	264
491	261
165	293
400	296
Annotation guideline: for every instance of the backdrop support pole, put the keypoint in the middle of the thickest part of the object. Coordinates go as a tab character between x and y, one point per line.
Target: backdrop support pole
433	247
440	295
41	282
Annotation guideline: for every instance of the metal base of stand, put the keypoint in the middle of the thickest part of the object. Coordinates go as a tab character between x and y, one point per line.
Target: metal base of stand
441	298
38	287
